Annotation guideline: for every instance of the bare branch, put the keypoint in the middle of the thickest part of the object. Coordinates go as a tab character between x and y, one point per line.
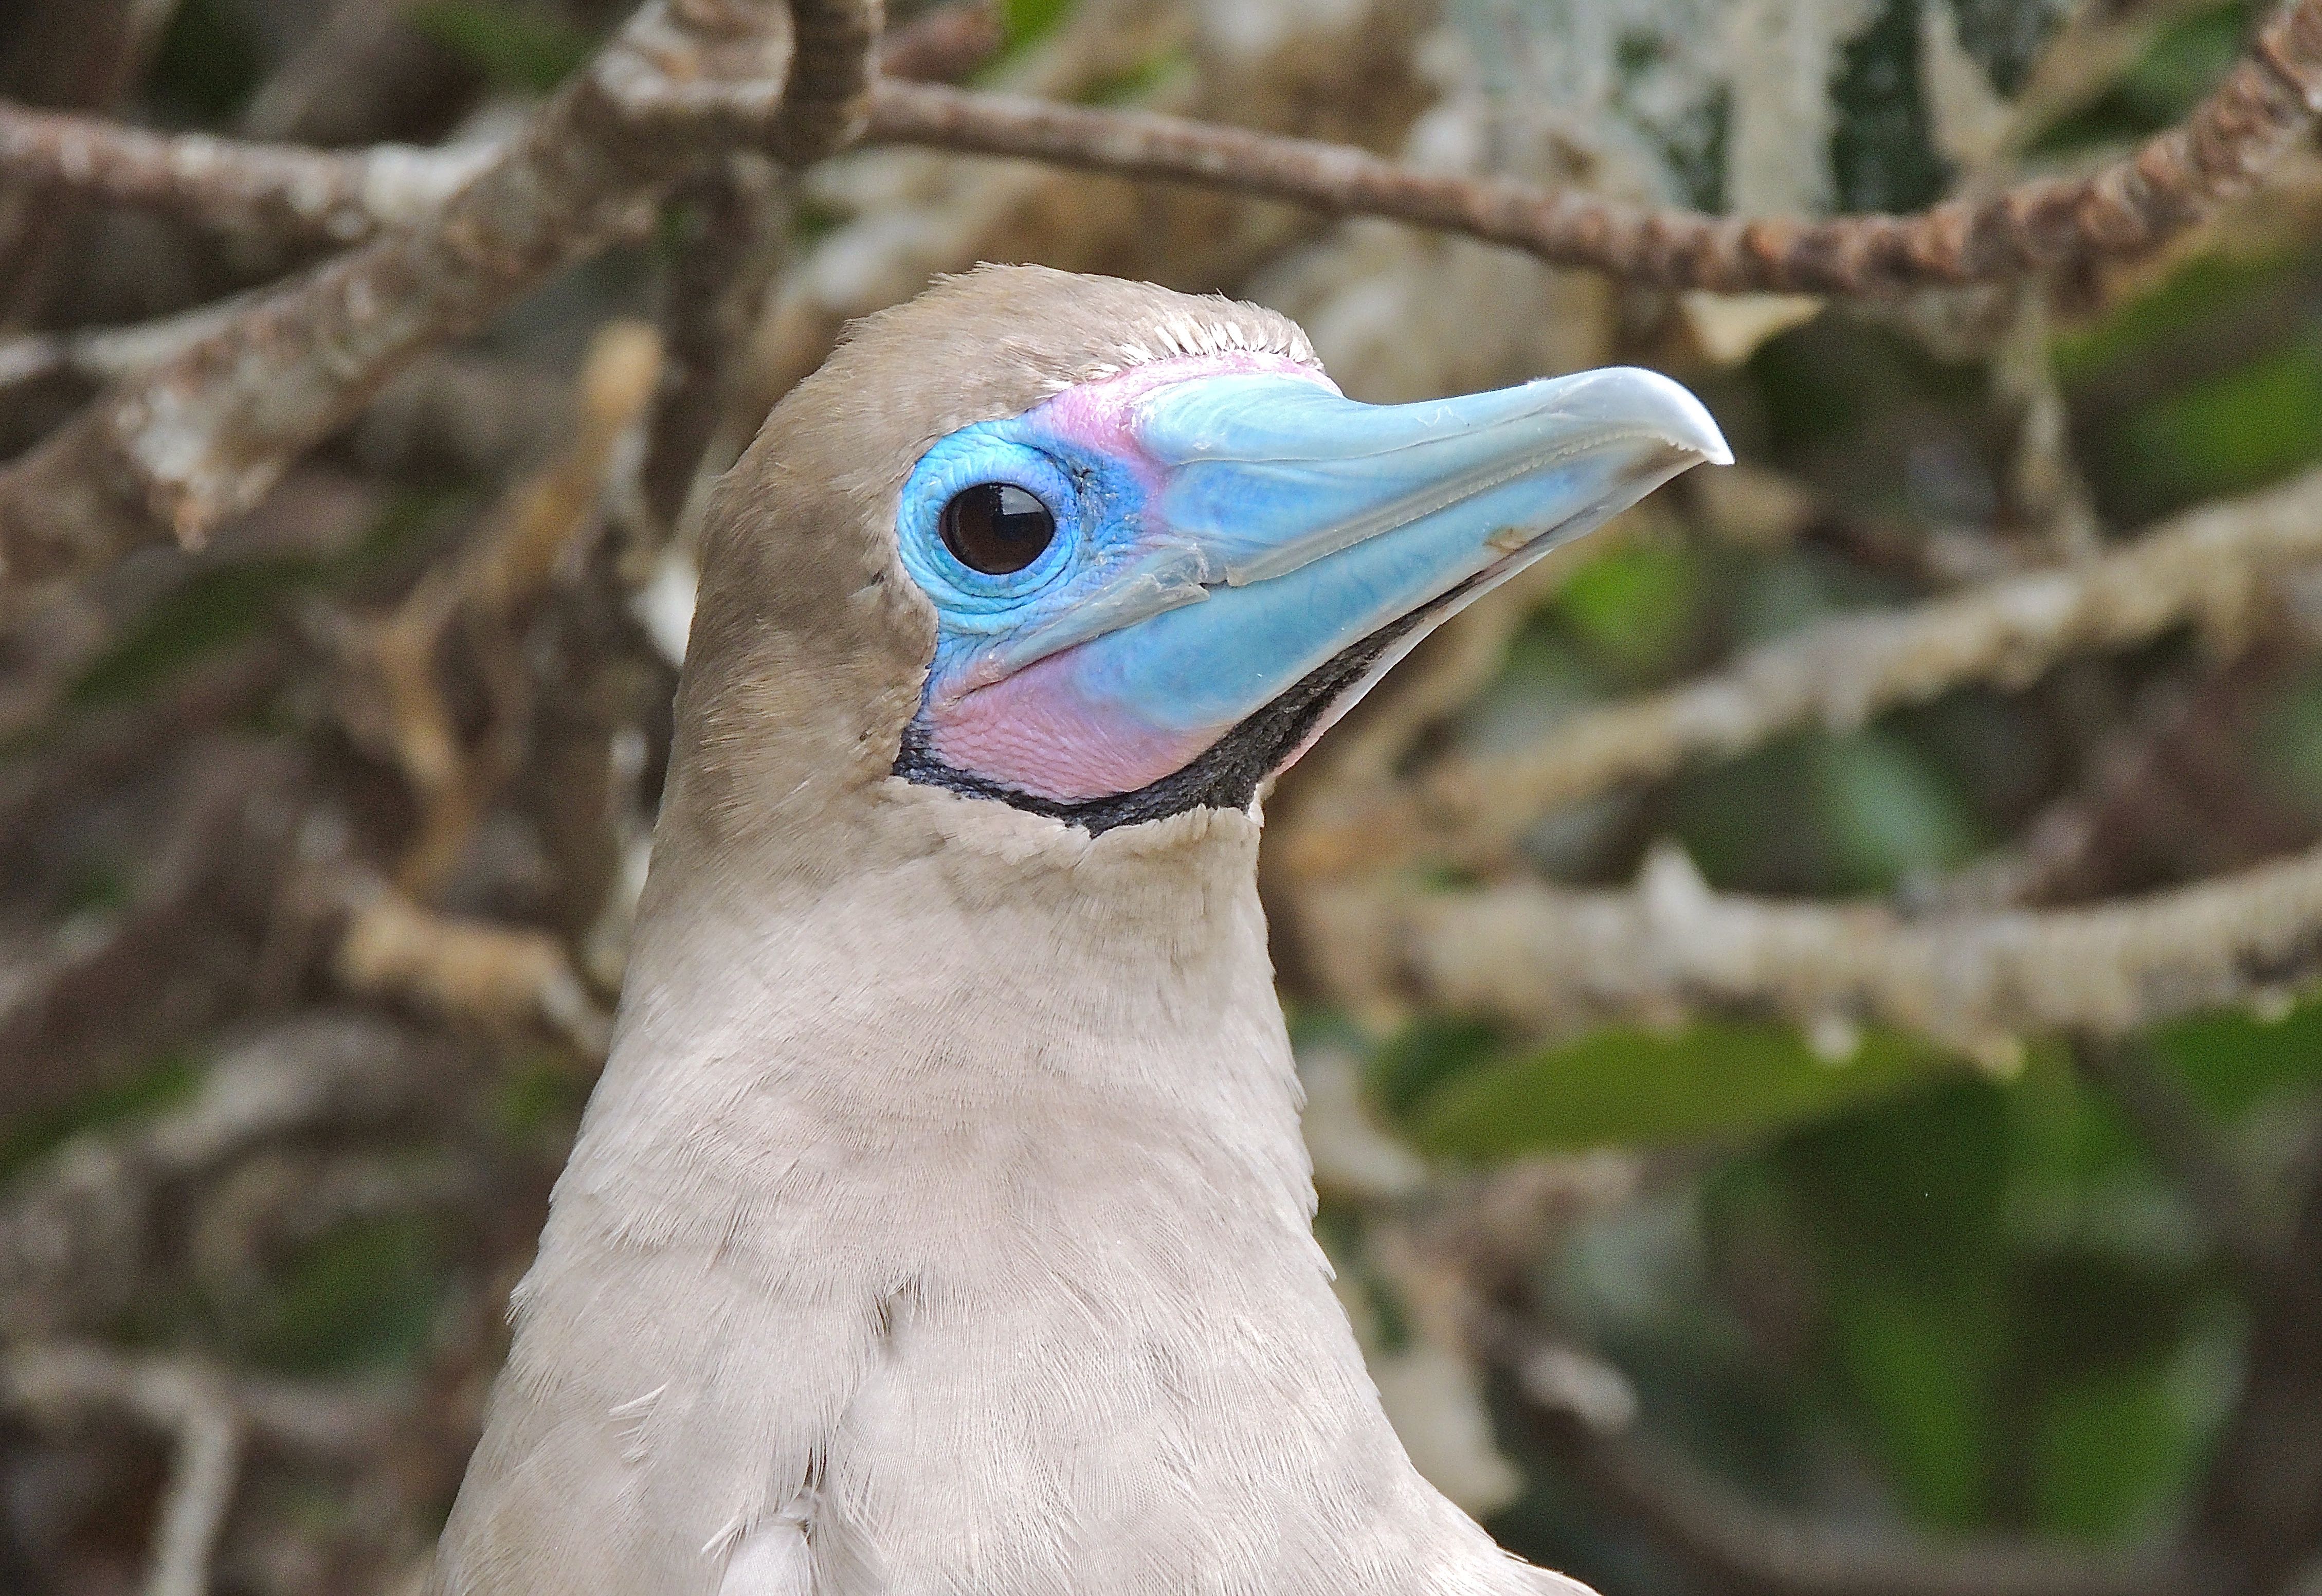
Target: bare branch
209	1413
189	1402
279	191
484	591
292	194
482	973
1553	958
101	354
210	431
76	1231
2260	1506
828	100
170	961
2210	567
2264	107
202	1477
943	45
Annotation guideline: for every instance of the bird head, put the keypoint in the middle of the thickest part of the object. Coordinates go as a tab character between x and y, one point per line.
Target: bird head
1107	552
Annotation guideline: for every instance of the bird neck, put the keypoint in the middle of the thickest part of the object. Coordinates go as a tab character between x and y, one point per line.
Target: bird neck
1050	1030
944	1194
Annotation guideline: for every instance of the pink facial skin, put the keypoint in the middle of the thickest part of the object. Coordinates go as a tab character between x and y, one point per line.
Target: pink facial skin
1040	729
1036	731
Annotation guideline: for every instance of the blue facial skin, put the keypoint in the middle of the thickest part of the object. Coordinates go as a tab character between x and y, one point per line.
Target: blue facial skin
1267	523
1100	569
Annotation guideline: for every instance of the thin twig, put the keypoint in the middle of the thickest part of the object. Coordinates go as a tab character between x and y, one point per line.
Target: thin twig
290	194
2210	566
2260	1508
486	590
475	972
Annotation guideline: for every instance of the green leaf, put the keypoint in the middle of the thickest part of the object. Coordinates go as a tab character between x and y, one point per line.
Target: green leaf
2109	1448
1425	1055
1912	1185
1142	80
2238	429
208	62
515	48
1921	1365
1024	22
221	605
1888	813
1710	1081
2234	1060
2130	332
1632	608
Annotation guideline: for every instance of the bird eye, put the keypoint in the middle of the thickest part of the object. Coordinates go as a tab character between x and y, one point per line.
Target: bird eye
996	528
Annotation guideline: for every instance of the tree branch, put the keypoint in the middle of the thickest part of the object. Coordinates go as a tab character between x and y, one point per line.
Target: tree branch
2262	1504
208	432
476	972
290	194
2265	107
2178	177
2210	566
282	192
1553	958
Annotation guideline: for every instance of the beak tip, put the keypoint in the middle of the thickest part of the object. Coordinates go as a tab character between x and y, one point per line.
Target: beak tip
1675	413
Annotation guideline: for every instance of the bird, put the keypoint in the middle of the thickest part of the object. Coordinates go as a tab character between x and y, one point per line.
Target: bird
940	1225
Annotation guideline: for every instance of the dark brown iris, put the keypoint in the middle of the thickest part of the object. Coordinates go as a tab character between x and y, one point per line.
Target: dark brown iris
996	527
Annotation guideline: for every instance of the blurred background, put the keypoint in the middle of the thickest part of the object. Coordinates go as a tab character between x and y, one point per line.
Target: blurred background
1803	999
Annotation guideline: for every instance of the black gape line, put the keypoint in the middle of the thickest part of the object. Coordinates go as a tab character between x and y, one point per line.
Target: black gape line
1225	776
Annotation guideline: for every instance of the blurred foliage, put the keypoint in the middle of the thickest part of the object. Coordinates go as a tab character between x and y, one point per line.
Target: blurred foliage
2180	66
166	1081
517	47
210	59
1983	1286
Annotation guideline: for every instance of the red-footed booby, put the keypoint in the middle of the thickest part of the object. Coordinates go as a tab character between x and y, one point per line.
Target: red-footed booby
941	1225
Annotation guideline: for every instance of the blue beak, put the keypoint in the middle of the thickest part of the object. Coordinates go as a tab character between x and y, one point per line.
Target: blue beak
1323	521
1275	542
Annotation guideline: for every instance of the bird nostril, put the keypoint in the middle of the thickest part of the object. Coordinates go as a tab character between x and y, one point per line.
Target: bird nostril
997	528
